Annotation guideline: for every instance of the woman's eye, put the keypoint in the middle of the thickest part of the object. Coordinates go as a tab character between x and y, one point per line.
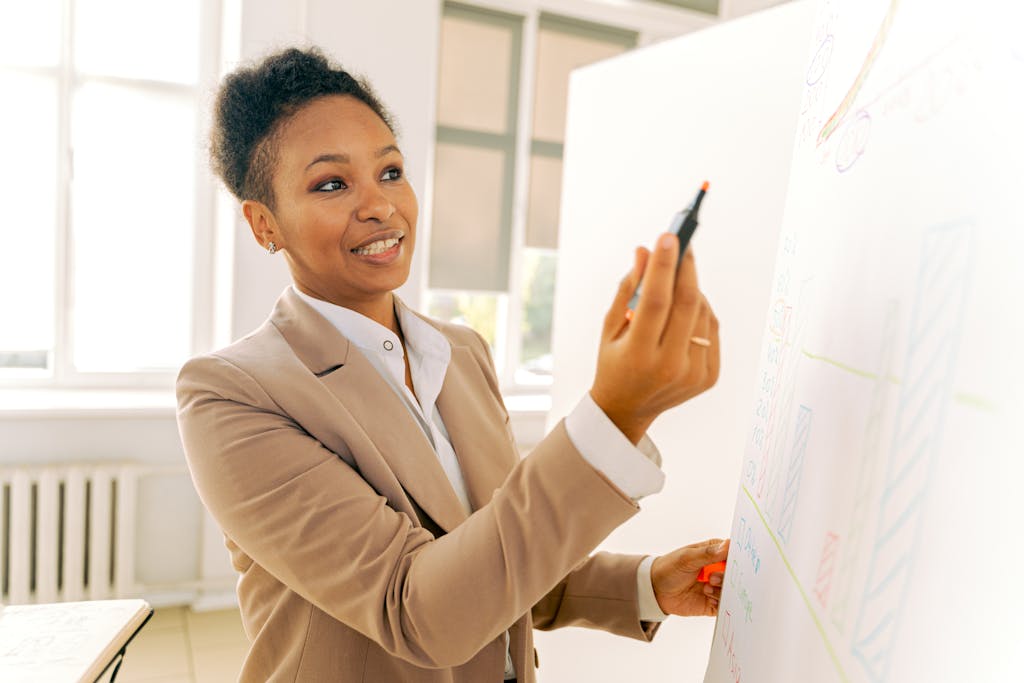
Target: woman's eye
393	173
330	186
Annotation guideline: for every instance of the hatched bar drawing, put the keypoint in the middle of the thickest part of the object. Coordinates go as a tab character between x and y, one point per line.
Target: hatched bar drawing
932	346
826	567
794	473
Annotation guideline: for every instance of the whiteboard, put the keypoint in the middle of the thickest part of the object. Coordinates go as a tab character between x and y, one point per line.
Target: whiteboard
875	534
643	131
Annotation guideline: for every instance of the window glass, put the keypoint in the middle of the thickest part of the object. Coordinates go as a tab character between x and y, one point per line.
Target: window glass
545	201
132	221
29	33
472	309
144	40
469	240
535	366
561	47
476	70
28	182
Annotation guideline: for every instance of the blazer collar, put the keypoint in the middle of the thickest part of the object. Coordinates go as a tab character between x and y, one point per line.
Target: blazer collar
400	441
312	337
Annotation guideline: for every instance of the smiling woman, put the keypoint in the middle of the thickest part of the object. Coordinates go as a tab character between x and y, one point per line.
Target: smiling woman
357	455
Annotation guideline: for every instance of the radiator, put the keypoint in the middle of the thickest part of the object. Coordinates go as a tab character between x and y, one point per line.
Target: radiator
68	532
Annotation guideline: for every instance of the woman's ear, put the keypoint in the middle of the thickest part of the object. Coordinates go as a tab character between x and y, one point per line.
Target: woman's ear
262	223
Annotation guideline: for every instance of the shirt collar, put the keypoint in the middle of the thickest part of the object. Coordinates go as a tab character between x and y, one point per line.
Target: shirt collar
369	335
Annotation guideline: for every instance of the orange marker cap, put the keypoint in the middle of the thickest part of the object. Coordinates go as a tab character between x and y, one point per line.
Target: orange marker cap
707	570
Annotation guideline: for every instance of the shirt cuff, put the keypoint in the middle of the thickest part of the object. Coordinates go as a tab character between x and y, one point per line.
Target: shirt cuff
646	602
636	470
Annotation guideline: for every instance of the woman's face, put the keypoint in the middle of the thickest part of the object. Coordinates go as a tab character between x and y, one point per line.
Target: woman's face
345	214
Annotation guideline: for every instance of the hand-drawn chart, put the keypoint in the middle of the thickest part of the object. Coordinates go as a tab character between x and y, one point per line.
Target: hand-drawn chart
885	440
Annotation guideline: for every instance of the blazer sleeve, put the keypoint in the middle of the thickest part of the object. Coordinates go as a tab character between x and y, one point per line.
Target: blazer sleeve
600	593
310	520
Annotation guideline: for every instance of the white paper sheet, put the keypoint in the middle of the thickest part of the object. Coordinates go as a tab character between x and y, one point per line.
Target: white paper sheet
876	524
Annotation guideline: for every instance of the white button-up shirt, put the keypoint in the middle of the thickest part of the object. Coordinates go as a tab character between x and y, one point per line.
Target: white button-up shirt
636	470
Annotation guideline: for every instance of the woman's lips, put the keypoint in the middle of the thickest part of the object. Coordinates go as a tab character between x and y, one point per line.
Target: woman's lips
381	253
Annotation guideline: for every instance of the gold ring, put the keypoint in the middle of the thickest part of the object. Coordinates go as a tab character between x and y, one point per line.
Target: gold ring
700	341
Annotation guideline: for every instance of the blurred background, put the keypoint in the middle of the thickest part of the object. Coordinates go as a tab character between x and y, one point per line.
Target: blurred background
122	256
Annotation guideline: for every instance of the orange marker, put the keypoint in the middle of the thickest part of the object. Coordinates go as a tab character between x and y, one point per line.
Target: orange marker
707	570
683	225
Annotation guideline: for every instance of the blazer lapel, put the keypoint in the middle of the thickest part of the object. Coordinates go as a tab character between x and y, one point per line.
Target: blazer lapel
349	376
476	425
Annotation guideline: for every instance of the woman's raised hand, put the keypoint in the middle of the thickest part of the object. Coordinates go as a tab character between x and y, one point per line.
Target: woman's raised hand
651	363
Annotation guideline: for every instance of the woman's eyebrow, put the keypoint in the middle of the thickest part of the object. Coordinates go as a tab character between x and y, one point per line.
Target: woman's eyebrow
344	158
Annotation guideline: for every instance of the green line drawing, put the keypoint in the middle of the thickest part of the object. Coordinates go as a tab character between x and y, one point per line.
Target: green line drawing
799	587
964	398
975	401
866	374
869	62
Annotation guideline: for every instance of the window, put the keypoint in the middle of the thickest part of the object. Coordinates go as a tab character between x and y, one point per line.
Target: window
502	98
101	187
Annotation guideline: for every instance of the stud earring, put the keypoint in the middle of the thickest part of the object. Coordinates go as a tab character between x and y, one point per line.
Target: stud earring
271	248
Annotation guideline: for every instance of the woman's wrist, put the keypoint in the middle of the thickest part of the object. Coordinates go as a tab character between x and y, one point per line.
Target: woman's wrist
633	427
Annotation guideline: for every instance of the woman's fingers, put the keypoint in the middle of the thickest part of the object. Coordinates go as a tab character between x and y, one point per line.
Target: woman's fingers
689	307
714	359
656	296
615	319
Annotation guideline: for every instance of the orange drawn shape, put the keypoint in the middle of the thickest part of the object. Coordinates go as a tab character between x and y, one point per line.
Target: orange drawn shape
707	570
851	95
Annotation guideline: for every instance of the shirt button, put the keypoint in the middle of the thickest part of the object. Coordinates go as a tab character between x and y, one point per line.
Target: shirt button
388	345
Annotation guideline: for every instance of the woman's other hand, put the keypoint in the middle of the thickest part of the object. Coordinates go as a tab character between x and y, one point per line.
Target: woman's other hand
650	363
674	579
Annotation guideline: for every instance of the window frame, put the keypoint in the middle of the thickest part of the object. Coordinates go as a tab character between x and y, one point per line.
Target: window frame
61	372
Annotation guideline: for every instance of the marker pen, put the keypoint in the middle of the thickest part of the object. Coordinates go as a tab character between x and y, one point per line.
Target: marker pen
704	575
683	225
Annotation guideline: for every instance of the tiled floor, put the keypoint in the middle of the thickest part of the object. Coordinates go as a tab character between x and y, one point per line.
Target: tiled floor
182	646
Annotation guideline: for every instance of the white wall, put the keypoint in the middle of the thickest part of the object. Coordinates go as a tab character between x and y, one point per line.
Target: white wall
644	131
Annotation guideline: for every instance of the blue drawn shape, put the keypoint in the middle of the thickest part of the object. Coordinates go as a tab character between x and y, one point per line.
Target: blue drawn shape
932	347
820	61
795	472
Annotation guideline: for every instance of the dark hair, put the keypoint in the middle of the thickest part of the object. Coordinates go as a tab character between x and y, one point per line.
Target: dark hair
252	104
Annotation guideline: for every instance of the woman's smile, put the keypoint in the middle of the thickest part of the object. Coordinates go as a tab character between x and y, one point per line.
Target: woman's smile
382	251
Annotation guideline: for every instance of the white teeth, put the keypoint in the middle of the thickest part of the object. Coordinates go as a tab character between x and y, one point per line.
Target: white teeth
376	247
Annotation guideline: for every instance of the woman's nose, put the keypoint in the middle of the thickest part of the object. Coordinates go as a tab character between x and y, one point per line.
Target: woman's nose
374	206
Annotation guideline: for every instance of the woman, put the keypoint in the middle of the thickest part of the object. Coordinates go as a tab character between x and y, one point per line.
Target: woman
358	456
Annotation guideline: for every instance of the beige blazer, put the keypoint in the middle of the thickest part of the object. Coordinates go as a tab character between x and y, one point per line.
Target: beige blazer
356	560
